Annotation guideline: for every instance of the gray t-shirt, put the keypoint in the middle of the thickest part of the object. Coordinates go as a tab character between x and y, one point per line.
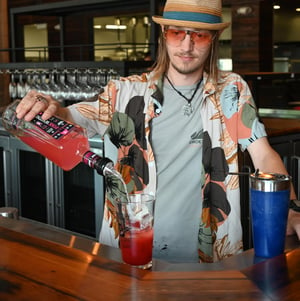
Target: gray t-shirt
177	145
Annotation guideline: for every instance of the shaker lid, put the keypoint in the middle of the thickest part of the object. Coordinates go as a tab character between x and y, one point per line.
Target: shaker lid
269	181
270	176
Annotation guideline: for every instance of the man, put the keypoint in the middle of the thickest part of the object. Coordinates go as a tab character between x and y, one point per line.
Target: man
177	131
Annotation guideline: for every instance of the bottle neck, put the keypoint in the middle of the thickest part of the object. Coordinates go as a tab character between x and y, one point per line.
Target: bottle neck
101	164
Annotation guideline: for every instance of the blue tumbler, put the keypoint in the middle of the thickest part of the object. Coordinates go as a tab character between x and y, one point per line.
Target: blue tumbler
269	202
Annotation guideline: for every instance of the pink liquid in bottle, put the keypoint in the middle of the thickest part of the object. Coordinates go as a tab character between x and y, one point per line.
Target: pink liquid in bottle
62	142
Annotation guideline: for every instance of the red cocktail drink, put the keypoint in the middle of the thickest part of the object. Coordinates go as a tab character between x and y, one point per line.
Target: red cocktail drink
135	214
136	246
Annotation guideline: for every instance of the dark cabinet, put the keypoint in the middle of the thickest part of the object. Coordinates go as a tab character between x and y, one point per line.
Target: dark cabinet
4	143
2	203
33	186
79	203
288	147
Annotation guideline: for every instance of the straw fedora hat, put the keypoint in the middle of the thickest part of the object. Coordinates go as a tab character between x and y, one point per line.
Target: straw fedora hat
199	14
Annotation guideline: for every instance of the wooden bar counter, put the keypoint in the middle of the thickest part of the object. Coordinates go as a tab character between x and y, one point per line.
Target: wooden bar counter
40	262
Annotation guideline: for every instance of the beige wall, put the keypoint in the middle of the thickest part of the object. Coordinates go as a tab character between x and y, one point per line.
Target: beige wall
286	27
35	35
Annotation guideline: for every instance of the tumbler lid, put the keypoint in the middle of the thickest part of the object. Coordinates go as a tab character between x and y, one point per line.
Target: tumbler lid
269	181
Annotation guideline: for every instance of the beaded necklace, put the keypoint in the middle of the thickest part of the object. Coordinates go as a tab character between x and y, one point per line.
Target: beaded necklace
187	108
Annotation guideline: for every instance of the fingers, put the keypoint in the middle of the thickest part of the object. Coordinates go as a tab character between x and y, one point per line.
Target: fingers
34	103
51	109
293	225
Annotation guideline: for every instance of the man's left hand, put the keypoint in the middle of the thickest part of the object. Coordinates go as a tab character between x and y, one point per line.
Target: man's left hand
293	225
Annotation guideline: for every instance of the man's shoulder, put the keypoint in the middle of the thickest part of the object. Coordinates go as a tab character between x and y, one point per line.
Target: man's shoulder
136	78
134	82
229	75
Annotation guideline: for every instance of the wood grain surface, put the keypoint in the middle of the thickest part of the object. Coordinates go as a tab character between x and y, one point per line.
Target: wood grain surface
36	269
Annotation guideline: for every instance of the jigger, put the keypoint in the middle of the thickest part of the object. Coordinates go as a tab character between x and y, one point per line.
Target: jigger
9	212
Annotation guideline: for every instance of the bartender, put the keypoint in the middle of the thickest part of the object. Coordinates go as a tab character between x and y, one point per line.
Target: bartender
177	131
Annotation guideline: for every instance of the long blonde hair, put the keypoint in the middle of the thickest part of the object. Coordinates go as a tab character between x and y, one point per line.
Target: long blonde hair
210	66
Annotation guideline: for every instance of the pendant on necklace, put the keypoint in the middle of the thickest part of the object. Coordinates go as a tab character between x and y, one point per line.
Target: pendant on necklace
187	109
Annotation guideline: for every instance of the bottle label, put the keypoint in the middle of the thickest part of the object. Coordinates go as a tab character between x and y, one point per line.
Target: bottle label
54	126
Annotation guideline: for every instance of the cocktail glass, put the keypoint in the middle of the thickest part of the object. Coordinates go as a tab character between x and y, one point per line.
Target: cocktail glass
135	218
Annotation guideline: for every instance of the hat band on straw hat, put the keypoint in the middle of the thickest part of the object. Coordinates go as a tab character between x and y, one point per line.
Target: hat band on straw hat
198	14
191	16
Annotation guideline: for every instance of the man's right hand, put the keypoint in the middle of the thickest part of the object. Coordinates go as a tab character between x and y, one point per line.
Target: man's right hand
34	103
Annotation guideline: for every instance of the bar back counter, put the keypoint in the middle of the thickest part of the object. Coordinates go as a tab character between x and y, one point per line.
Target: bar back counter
41	262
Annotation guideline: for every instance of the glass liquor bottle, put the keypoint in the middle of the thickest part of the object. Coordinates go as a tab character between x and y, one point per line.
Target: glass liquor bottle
62	142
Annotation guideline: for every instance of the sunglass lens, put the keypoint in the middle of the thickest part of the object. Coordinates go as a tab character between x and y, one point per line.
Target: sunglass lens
175	36
200	38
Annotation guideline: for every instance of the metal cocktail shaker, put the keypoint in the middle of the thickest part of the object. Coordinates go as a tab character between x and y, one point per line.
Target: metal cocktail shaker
269	201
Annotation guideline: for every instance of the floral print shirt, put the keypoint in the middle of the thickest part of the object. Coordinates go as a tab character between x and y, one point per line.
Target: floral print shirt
229	116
